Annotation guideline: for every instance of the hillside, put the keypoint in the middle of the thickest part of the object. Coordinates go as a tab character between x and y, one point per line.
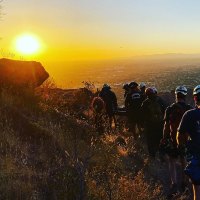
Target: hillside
50	150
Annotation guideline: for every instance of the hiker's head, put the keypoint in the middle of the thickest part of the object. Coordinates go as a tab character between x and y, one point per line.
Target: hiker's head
196	94
181	92
126	86
133	86
142	86
106	86
155	90
151	92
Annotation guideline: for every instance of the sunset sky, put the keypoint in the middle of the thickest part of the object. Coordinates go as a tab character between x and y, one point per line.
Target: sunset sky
102	29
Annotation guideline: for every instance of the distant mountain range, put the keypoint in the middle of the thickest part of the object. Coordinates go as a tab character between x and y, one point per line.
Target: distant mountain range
170	59
169	56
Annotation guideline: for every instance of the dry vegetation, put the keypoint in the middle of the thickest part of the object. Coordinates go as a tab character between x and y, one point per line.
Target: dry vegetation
50	150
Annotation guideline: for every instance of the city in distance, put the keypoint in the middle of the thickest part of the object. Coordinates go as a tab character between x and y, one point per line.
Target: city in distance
164	71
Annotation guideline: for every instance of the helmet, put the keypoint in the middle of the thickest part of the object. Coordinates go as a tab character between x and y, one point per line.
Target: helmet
132	84
181	89
106	86
196	90
155	90
125	86
141	85
150	91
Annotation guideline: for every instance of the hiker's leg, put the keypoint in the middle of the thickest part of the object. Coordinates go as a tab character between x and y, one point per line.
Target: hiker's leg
110	121
196	192
150	142
134	130
184	178
172	170
115	120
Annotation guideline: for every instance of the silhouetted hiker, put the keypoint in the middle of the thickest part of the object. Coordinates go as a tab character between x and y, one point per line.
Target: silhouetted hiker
110	101
126	89
142	89
133	107
189	135
173	116
153	109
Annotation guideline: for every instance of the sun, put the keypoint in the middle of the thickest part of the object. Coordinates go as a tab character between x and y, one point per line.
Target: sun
27	44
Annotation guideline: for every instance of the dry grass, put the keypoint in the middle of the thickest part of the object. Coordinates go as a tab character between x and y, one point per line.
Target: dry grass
52	154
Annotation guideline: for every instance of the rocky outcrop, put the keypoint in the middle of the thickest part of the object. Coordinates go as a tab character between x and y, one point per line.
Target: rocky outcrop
22	73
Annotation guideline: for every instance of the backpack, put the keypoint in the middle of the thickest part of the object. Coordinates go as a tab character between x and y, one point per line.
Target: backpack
135	101
109	99
176	113
155	111
98	104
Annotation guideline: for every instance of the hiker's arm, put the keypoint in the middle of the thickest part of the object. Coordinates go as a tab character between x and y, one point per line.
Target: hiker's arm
142	108
166	130
115	101
127	101
100	94
183	129
164	105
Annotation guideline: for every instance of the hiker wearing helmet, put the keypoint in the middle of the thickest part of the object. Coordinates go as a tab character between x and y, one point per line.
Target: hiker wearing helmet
126	89
142	89
110	101
189	135
153	112
132	105
173	116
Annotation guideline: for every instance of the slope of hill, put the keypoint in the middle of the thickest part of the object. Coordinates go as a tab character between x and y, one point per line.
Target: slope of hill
50	150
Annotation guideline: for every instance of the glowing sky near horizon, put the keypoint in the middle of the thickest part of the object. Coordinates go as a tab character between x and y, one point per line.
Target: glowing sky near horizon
101	29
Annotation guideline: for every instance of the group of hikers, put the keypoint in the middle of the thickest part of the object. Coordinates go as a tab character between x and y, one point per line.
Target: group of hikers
172	131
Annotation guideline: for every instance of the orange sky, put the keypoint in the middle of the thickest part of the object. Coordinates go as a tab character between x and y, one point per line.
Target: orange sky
90	30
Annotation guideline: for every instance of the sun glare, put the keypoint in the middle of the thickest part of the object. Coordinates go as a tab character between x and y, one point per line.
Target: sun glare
27	44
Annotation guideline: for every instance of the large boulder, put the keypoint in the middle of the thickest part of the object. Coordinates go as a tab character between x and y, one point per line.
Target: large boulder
22	73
